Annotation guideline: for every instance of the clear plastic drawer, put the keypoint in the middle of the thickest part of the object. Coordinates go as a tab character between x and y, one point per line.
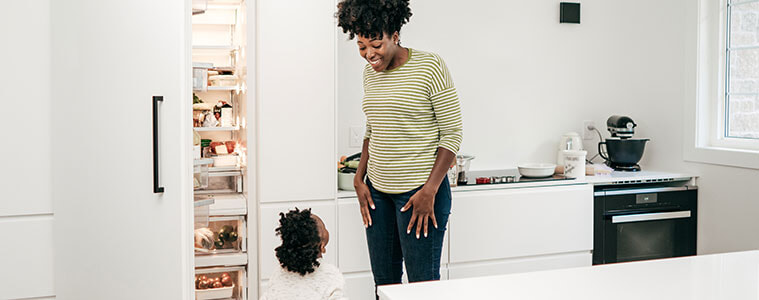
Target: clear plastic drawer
232	283
223	180
222	235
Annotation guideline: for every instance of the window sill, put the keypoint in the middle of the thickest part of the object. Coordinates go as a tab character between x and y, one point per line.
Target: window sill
731	157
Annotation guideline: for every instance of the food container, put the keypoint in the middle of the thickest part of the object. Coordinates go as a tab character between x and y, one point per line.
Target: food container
223	80
200	173
200	75
536	169
345	181
574	163
229	236
237	278
462	167
452	175
223	180
225	160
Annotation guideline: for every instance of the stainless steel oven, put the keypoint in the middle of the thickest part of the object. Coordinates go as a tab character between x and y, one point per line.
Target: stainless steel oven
640	222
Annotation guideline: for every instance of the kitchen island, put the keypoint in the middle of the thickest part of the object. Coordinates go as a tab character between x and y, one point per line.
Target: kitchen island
733	276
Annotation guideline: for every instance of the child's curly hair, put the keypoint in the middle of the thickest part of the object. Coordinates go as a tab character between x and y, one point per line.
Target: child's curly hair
372	18
300	241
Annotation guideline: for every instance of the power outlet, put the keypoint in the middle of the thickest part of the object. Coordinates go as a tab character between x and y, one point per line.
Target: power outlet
587	130
356	137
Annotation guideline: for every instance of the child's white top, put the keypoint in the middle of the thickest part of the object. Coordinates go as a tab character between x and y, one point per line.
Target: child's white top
326	282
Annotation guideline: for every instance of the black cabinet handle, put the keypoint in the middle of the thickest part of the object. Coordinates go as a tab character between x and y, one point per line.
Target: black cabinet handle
156	188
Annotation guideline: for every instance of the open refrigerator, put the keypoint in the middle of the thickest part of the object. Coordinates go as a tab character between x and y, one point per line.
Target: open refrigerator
220	162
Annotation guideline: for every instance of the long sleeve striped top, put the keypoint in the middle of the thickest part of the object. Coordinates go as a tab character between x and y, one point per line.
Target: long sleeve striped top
410	111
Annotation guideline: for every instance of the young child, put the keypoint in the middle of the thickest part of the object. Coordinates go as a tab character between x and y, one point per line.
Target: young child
303	276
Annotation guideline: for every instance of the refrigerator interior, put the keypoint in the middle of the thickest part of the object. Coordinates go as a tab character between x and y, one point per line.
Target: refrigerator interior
220	144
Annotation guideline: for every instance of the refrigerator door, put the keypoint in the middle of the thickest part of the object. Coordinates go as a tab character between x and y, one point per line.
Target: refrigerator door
118	233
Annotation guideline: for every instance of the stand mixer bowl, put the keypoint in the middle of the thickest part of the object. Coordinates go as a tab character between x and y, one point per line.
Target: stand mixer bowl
623	152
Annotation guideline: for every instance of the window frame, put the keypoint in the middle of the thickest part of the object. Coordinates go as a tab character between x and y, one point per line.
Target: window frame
705	105
720	127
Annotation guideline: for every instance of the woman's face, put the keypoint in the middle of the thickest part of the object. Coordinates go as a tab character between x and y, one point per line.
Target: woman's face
378	52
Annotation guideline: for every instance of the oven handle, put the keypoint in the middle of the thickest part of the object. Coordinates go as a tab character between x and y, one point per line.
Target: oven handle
645	191
651	216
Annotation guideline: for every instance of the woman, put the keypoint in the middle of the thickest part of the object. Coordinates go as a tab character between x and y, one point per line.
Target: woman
413	131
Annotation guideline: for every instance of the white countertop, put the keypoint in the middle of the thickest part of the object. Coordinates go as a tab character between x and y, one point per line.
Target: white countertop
728	276
613	178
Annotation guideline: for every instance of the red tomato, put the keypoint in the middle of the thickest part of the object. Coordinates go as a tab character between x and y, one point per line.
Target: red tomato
217	285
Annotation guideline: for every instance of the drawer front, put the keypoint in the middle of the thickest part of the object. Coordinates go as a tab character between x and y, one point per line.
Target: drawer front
520	222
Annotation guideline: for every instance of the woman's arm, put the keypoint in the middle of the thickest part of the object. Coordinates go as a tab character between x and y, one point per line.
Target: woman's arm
445	104
362	189
423	200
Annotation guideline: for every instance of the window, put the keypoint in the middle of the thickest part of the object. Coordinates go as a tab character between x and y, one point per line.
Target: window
722	102
741	118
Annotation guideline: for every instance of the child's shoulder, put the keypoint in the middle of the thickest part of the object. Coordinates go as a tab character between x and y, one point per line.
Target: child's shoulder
328	269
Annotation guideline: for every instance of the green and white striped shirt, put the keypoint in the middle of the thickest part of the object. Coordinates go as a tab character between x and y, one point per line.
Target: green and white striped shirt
410	111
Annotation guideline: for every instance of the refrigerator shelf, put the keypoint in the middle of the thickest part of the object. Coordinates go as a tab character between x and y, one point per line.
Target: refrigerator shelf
211	192
214	260
223	88
206	129
214	47
204	202
224	169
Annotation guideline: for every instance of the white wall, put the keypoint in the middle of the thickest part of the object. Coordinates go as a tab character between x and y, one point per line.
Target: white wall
524	79
26	215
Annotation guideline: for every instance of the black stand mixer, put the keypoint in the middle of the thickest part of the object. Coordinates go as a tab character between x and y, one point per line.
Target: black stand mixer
622	151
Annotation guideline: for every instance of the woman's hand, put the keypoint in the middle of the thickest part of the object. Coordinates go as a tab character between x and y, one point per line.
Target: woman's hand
364	201
423	202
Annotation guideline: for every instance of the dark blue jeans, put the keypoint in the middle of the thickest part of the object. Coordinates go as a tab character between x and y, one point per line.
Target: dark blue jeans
390	246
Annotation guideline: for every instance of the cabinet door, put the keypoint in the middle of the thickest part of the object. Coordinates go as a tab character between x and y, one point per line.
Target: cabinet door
521	222
115	237
296	98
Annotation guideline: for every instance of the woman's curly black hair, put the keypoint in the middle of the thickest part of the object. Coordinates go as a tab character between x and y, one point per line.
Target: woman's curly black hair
301	243
372	18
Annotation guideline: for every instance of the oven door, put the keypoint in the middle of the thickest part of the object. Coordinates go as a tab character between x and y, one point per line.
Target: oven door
640	235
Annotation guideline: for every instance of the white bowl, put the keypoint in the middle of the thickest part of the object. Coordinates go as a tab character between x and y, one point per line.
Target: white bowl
345	181
536	169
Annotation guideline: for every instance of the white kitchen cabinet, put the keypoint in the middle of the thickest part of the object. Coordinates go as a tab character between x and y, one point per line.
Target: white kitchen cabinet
296	100
519	265
496	224
353	250
26	258
270	221
359	286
